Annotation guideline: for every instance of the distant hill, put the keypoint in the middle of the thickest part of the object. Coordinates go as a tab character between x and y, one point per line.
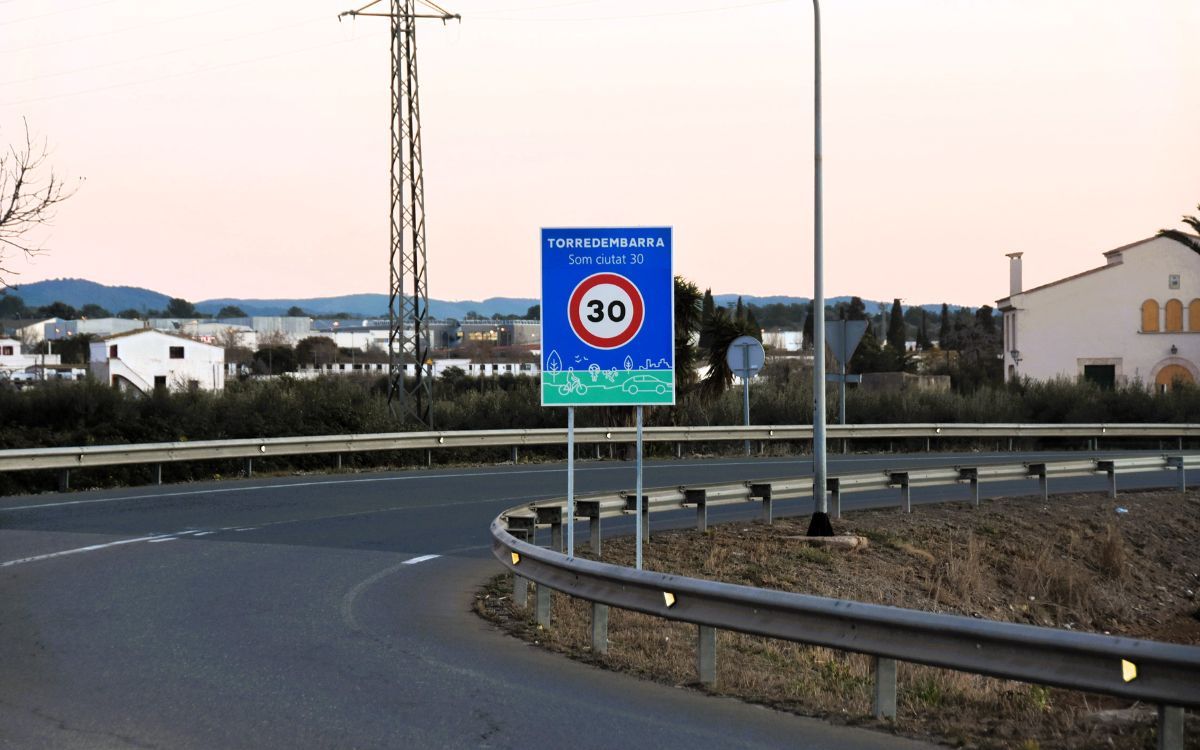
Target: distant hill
79	292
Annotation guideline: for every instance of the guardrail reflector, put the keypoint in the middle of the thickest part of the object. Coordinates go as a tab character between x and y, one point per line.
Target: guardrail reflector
1128	671
516	558
669	598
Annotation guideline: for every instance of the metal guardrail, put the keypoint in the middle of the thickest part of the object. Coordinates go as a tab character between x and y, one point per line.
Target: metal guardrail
1161	673
88	456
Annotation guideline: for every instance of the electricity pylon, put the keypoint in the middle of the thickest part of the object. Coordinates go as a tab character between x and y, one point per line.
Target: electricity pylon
408	313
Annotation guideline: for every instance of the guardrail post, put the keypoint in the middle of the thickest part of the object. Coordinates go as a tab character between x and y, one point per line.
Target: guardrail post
158	473
706	654
520	591
972	476
594	534
763	491
553	517
678	450
339	462
514	455
599	628
901	478
834	486
645	518
1110	468
249	467
542	596
1170	728
64	480
883	704
697	498
1176	462
1039	471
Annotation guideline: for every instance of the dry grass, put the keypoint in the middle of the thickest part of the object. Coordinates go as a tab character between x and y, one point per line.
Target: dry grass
1013	560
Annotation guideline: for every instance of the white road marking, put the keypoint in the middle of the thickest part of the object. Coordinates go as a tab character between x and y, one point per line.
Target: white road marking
420	559
165	539
89	548
203	533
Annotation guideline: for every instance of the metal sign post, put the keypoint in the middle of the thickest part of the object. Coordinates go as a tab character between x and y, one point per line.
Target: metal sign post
608	328
745	357
570	481
843	337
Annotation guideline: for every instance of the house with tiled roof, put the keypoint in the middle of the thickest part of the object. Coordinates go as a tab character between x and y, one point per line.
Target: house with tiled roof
1134	319
146	359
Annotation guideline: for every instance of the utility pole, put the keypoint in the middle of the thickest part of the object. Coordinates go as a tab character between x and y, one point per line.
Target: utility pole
408	309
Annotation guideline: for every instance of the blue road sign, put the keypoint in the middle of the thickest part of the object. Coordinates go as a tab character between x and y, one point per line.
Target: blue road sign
608	317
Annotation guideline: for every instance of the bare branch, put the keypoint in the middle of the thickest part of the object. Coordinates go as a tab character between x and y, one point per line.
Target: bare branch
29	192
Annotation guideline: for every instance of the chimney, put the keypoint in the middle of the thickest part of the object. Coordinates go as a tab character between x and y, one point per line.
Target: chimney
1014	273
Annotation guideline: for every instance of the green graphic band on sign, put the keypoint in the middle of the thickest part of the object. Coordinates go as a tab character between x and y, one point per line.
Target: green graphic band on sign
607	317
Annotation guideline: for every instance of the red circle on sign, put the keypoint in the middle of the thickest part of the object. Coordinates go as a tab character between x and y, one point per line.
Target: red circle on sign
580	327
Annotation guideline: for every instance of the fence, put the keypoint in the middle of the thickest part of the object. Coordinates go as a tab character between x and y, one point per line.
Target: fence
65	459
1165	674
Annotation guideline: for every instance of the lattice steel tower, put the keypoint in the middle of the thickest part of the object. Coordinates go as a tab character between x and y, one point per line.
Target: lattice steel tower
408	311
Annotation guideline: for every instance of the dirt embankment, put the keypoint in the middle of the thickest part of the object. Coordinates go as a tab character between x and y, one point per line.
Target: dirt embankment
1129	566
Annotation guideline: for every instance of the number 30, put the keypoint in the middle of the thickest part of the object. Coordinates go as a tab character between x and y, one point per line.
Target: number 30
616	310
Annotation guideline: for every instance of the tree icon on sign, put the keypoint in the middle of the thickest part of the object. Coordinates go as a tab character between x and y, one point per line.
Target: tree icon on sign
553	362
628	363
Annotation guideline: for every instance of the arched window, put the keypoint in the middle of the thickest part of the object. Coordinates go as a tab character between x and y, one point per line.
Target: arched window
1150	315
1174	315
1194	315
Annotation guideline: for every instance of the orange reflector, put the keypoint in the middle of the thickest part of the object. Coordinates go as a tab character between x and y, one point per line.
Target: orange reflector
516	558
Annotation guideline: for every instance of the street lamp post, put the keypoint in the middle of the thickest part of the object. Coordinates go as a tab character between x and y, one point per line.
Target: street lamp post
819	525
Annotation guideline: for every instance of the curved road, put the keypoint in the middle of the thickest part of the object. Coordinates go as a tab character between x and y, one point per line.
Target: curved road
334	611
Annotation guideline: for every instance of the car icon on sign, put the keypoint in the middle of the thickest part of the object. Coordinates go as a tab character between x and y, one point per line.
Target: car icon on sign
643	383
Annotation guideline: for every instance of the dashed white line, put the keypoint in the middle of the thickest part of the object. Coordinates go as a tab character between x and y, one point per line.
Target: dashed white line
89	548
164	539
420	559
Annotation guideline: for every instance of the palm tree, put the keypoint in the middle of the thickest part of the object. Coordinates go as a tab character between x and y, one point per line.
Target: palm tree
688	318
721	329
1183	237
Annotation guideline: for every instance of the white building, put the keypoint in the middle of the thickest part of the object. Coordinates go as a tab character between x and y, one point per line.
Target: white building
1136	318
100	327
14	363
148	359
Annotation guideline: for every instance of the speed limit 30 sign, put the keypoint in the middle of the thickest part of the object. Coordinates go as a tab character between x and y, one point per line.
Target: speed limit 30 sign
607	316
606	310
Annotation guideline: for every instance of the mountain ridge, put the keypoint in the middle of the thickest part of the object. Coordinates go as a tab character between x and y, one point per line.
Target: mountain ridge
78	292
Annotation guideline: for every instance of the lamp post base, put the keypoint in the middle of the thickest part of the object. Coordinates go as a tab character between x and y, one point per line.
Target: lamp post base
820	525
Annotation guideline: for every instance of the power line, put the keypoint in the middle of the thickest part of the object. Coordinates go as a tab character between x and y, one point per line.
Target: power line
180	74
163	54
57	12
111	32
633	16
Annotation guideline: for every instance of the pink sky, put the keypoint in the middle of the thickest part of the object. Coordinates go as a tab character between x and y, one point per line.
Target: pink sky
237	148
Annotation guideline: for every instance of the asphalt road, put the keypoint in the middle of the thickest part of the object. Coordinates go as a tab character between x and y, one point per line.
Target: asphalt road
334	611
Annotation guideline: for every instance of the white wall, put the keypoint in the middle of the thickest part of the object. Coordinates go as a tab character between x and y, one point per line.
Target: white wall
1096	318
142	357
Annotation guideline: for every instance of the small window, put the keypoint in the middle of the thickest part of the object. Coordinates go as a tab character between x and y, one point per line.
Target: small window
1174	315
1104	376
176	352
160	381
1150	316
1173	281
112	351
8	350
